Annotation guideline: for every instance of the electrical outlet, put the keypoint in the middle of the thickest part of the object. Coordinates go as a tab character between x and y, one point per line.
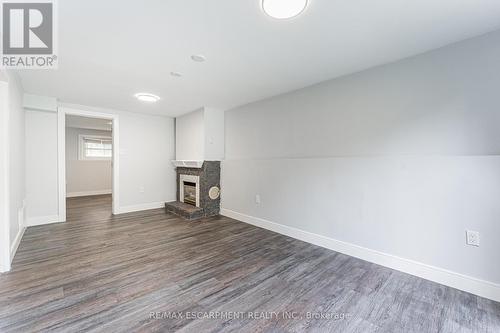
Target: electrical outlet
141	189
257	199
472	238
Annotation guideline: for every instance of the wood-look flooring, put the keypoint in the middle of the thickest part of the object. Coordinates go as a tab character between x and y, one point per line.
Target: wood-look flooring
104	273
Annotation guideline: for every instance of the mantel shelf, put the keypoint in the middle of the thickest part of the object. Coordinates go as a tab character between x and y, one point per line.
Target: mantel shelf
188	164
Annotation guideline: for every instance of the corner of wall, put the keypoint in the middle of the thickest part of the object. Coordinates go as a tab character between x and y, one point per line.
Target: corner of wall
40	103
21	215
15	245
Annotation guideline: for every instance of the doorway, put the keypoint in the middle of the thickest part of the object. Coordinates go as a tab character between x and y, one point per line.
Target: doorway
89	152
88	164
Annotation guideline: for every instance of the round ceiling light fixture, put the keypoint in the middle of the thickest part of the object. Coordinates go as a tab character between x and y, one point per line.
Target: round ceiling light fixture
284	9
147	97
198	58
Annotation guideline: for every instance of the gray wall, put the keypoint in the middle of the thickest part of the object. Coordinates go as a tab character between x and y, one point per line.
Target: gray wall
400	159
85	177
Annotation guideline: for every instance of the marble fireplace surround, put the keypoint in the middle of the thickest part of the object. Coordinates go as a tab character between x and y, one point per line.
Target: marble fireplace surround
209	176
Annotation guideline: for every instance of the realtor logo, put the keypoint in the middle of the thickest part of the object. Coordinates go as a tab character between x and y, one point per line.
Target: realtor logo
28	34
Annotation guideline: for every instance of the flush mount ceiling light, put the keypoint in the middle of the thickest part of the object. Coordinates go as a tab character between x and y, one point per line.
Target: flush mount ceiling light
146	97
198	58
284	9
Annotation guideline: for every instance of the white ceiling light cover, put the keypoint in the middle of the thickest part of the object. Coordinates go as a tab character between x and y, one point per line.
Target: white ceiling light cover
284	9
147	97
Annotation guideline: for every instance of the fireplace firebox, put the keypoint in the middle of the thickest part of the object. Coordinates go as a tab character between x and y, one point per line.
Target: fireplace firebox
190	193
189	189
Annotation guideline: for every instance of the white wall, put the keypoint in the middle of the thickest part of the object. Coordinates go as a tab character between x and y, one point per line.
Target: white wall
12	185
41	167
399	159
146	178
190	137
17	191
4	176
85	177
214	134
147	147
35	102
199	135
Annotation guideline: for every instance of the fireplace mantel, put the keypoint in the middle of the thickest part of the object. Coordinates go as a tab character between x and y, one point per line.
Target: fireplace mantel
188	164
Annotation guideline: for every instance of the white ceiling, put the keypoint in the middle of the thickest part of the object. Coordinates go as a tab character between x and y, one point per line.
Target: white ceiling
88	123
110	50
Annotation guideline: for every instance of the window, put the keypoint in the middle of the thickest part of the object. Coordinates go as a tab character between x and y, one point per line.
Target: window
93	147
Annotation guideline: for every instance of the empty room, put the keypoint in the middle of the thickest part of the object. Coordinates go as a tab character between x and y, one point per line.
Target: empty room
250	166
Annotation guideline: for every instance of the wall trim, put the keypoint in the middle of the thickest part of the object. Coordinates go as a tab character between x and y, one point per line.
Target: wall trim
41	220
88	193
449	278
17	241
141	207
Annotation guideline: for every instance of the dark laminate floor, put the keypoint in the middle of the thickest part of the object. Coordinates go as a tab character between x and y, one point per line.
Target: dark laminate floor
102	273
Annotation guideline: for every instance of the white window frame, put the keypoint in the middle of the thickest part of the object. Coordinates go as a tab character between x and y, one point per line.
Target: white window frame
81	147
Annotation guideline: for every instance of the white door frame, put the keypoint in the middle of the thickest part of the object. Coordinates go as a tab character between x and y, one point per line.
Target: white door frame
61	154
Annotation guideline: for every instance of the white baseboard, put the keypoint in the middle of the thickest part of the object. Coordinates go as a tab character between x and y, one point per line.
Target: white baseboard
140	207
4	268
40	220
449	278
17	241
88	193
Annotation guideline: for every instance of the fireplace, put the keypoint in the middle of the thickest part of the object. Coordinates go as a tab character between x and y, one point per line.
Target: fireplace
189	190
198	191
